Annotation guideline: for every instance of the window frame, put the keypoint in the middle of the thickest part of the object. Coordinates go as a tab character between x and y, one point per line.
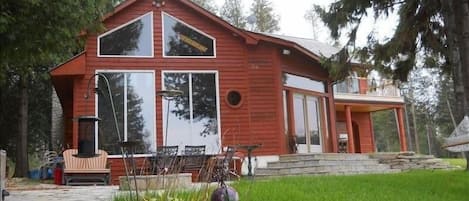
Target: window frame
217	91
163	42
315	84
98	45
124	135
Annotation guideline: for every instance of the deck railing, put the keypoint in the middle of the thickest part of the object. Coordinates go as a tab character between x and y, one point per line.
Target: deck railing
364	86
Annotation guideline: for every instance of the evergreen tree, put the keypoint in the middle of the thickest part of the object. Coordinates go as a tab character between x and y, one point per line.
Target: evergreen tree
34	34
385	131
207	5
265	18
232	12
443	117
313	18
432	31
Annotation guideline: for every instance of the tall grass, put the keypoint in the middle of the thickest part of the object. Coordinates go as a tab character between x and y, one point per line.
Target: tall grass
409	186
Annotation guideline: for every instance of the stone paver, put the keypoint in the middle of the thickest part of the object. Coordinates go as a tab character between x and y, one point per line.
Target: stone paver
75	193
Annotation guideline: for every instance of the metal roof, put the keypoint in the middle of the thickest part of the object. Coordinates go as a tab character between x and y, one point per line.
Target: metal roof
314	46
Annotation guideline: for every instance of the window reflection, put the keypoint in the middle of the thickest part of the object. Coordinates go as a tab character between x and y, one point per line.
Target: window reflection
178	122
135	117
303	83
204	99
182	40
134	39
298	107
313	114
193	117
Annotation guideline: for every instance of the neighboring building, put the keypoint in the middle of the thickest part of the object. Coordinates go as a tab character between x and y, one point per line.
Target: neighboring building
239	87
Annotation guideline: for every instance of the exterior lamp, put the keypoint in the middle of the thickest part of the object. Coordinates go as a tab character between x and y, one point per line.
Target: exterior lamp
88	120
169	95
158	3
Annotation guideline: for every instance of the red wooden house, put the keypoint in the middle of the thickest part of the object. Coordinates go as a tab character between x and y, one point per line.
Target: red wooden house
238	87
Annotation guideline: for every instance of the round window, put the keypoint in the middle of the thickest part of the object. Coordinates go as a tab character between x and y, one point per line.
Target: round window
234	98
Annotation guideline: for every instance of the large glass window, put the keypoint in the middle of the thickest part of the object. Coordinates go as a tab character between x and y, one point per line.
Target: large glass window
181	39
133	39
133	94
193	118
299	82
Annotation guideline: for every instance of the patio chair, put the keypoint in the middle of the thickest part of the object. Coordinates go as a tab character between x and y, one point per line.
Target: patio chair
86	171
194	159
164	161
49	161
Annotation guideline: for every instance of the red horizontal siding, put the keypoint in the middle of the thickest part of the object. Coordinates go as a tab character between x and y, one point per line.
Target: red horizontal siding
230	62
265	104
363	121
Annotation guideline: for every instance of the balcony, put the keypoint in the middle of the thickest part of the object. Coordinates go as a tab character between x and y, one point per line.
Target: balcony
364	90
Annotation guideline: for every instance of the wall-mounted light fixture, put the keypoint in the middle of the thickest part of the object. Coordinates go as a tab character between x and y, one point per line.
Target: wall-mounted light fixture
169	95
158	3
286	52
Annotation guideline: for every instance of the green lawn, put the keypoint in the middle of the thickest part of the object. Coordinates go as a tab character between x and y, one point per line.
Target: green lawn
410	186
461	162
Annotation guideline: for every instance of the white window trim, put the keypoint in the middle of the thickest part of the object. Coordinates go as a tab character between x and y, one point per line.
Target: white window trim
307	79
163	116
198	30
125	116
98	48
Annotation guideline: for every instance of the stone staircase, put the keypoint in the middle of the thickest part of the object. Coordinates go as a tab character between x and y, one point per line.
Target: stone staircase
412	161
323	164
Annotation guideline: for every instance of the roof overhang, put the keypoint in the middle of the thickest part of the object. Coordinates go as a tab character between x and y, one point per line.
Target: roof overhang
366	103
63	76
72	67
285	43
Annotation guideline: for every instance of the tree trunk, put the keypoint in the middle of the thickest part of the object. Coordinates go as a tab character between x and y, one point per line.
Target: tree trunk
414	125
462	21
454	55
22	166
453	13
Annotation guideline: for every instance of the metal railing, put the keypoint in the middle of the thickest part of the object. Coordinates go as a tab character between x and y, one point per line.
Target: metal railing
364	86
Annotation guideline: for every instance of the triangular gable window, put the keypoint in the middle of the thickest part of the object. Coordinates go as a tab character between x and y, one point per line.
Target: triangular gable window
133	39
183	40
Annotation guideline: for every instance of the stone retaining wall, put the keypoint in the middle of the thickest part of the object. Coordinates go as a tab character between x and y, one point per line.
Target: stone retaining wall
411	161
156	182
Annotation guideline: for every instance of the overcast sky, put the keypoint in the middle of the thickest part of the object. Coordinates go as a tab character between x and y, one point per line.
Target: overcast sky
293	22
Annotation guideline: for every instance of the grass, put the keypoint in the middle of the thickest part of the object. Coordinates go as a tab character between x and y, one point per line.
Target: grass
461	162
409	186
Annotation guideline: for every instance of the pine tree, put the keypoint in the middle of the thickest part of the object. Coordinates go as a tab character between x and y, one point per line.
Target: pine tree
232	12
265	18
432	31
34	34
207	5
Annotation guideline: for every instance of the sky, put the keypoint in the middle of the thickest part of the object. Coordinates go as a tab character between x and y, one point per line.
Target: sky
293	23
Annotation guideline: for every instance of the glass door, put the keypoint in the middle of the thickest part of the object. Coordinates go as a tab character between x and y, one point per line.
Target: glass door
307	123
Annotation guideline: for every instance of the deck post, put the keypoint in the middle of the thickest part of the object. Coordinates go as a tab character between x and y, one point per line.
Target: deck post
401	129
348	120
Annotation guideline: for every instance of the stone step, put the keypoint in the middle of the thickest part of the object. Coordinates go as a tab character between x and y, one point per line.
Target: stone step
325	156
316	162
320	169
324	164
369	171
410	161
